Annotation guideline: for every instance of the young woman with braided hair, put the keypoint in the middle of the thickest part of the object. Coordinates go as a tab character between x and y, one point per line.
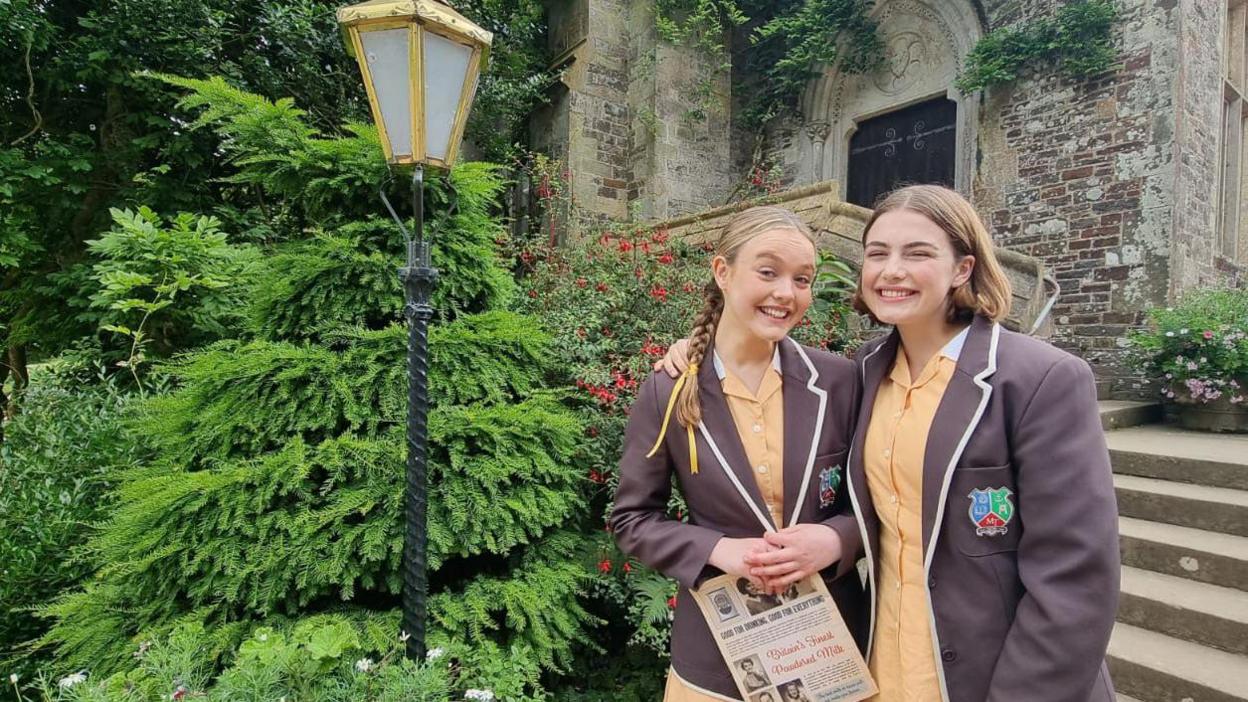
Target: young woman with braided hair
756	433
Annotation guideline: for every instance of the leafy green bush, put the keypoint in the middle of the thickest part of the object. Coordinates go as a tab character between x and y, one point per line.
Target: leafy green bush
1198	348
1078	39
276	486
325	658
57	460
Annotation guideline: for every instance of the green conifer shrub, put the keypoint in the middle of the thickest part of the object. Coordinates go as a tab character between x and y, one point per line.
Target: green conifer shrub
275	485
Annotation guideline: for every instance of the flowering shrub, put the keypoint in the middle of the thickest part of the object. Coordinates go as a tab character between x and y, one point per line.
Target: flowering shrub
613	301
1198	348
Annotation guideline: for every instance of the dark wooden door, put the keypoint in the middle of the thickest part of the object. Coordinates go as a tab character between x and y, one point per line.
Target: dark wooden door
912	145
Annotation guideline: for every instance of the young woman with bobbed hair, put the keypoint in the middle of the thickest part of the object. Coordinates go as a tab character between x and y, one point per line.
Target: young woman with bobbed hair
979	477
756	433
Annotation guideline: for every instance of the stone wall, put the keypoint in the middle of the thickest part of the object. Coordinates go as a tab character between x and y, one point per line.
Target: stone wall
1197	256
1081	174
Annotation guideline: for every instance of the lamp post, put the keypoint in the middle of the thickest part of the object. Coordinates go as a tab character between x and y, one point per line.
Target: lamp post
420	61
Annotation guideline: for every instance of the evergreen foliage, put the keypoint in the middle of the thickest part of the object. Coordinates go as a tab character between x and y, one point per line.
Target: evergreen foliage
276	484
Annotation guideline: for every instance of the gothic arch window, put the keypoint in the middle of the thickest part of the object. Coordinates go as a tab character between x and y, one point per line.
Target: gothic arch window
1233	175
926	41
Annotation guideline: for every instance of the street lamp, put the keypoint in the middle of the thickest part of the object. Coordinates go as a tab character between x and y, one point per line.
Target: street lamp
420	60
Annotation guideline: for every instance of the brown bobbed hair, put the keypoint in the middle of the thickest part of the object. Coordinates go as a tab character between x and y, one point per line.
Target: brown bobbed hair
987	292
740	230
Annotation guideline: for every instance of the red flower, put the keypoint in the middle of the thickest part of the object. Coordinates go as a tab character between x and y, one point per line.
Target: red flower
604	566
639	273
659	293
688	287
527	256
645	247
626	567
605	239
660	237
606	331
592	431
671	602
625	245
652	349
596	476
533	293
1208	334
581	282
601	287
707	246
666	258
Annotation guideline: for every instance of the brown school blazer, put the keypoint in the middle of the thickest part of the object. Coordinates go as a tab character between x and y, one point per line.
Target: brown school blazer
820	399
1026	614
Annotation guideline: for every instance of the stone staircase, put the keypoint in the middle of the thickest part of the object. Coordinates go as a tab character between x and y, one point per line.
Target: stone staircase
1182	631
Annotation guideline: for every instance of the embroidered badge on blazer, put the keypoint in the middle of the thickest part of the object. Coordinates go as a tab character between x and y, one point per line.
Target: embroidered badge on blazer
829	481
991	510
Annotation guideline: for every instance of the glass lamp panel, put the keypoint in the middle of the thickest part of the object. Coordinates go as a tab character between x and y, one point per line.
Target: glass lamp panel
446	72
390	66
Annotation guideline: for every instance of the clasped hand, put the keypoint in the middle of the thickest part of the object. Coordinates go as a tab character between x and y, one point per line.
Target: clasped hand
780	558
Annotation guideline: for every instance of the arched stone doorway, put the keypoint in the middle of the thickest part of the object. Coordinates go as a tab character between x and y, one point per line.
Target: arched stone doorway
926	41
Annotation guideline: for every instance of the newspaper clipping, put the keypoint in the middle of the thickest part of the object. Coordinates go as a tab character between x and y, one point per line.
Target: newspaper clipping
789	647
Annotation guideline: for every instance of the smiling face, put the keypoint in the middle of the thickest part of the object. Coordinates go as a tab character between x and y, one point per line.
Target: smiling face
909	269
767	288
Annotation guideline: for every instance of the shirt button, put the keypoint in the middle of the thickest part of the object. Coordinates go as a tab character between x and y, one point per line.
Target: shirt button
948	655
757	428
761	469
888	452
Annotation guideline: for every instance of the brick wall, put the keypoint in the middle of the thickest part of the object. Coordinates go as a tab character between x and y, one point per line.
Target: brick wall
1080	173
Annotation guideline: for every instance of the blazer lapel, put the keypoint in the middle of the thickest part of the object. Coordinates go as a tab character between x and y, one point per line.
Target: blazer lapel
956	418
722	430
805	406
875	366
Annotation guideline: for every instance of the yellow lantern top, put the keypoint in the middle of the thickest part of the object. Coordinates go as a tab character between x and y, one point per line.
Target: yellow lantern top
431	12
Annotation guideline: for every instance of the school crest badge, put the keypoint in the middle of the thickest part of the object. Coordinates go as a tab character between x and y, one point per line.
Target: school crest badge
829	482
991	510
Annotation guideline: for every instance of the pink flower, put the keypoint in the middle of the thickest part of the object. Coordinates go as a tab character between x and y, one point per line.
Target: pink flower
1208	334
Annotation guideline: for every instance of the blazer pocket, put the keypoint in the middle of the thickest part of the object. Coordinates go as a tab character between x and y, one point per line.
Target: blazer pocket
982	511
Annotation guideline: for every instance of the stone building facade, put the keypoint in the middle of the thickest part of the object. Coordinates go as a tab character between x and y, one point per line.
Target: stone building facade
1128	185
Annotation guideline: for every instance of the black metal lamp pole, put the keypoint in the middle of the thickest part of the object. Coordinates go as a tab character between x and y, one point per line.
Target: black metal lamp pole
418	278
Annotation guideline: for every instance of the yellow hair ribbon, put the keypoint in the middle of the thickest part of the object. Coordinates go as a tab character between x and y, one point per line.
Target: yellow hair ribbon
667	417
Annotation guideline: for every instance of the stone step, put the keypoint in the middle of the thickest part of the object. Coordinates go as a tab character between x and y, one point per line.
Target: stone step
1157	668
1196	506
1120	414
1205	614
1170	453
1204	556
1124	698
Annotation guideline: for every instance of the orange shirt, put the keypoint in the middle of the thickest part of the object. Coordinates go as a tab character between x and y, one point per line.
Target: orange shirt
759	418
902	657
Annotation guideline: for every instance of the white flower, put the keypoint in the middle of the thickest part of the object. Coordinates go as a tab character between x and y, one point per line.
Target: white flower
404	636
13	678
70	680
481	695
434	654
364	665
1169	333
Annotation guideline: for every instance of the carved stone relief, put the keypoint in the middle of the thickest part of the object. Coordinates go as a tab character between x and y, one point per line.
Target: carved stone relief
925	42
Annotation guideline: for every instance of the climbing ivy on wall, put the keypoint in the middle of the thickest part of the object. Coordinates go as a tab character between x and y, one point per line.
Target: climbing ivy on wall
1077	39
786	40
